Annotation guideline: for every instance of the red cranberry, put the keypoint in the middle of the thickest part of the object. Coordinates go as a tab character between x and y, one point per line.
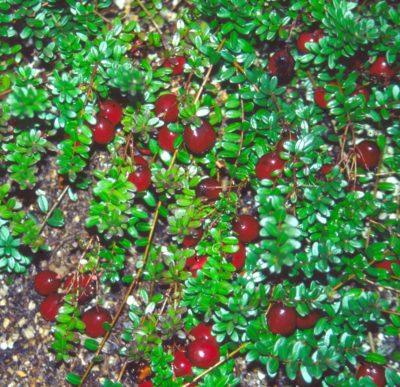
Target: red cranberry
281	64
193	238
287	137
47	282
203	353
308	321
387	265
360	90
176	63
281	320
50	306
142	150
139	160
141	178
326	169
203	331
147	383
238	259
181	364
209	188
381	68
374	372
166	139
268	164
111	110
308	37
247	228
166	107
196	263
367	154
82	284
201	139
94	318
320	97
103	131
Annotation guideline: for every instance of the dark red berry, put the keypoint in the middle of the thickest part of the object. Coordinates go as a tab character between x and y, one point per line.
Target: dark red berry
166	139
111	110
47	282
203	353
308	321
203	331
320	97
141	178
142	150
282	320
387	265
147	383
200	140
238	259
103	132
247	228
281	64
166	107
139	160
381	68
361	90
326	169
287	137
84	285
367	154
268	164
196	263
181	364
308	37
209	188
50	306
176	63
193	238
94	319
374	372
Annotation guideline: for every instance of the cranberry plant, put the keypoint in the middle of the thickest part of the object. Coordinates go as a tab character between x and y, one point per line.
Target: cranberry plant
251	176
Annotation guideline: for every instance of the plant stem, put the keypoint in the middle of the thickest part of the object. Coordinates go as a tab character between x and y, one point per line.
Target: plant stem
146	11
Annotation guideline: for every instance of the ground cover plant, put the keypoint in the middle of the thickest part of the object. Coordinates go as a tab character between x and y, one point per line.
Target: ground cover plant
239	161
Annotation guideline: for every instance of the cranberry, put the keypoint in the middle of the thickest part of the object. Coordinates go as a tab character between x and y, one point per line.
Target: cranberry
320	97
142	150
287	137
308	37
203	331
166	107
268	164
193	238
141	178
281	64
139	160
247	228
326	169
196	263
361	90
94	318
176	63
308	321
367	154
201	139
387	265
209	188
374	372
50	306
47	282
281	320
81	284
166	139
147	383
203	353
181	363
381	68
103	131
111	110
238	259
